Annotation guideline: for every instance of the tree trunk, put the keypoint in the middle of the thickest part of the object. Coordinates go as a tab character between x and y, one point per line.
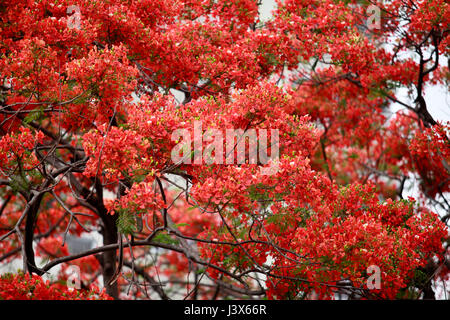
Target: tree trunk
109	257
428	293
30	224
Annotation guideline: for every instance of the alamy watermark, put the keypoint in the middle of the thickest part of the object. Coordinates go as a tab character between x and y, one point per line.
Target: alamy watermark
222	146
74	20
374	20
374	280
74	277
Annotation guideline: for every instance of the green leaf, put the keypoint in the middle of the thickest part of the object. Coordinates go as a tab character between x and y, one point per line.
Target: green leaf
126	222
164	238
182	225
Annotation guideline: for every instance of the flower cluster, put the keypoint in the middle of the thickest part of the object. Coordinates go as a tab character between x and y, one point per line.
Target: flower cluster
24	287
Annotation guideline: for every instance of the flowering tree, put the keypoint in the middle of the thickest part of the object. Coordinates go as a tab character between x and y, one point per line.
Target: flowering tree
26	287
93	91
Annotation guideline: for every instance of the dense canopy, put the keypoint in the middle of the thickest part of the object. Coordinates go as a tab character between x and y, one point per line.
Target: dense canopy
92	92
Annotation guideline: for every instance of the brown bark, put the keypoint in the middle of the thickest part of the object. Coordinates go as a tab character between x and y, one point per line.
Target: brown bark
109	257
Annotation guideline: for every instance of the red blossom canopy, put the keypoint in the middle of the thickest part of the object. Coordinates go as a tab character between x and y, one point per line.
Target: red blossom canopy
89	103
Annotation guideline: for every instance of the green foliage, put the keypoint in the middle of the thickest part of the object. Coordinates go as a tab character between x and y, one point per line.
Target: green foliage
19	183
126	222
34	115
271	59
181	225
412	290
163	237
